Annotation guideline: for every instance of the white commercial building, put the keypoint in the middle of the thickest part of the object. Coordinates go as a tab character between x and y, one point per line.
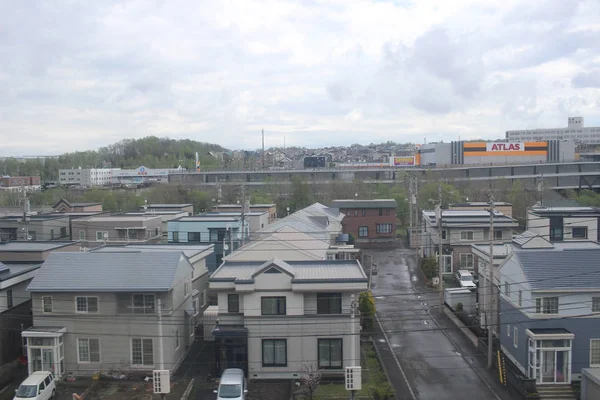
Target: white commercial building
86	177
575	131
143	174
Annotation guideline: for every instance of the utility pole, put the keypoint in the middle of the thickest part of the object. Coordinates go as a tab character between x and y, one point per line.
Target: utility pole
26	210
410	199
491	296
263	149
415	198
245	206
441	247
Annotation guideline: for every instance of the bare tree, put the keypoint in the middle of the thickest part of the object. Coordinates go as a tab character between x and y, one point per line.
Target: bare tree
311	377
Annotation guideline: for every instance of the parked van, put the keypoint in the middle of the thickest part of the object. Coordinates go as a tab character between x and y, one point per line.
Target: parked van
39	385
465	279
232	385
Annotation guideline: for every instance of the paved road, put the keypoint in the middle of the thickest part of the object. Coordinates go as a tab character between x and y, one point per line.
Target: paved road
434	363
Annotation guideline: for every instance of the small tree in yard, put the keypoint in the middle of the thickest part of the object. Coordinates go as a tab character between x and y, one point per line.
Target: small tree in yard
366	305
311	377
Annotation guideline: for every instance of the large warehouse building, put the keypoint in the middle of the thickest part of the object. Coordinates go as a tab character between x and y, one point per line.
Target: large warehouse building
487	153
575	131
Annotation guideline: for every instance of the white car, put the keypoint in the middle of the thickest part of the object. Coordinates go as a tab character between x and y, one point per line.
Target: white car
465	279
232	385
40	385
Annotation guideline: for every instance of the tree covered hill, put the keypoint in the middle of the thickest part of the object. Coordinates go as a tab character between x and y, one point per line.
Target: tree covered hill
151	152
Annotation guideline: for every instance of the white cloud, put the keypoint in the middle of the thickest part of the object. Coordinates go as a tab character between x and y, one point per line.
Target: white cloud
318	72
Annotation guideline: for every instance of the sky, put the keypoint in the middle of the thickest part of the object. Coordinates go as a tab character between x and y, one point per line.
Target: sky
81	75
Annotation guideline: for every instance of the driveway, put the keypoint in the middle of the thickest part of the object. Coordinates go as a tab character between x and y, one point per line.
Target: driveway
432	359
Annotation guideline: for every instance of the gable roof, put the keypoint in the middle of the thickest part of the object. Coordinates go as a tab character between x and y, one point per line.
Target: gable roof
561	268
314	219
531	240
274	263
107	272
334	271
67	203
289	237
377	203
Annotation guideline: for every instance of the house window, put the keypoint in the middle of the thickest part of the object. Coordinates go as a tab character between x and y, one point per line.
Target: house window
233	303
272	305
580	232
9	298
384	228
506	289
193	236
47	304
274	352
595	304
594	352
176	236
363	231
330	353
51	234
497	234
63	231
387	212
329	303
444	235
204	297
142	351
520	298
356	213
143	303
101	235
508	330
466	261
185	288
546	305
516	337
88	350
81	235
176	339
381	212
86	304
348	213
364	213
466	235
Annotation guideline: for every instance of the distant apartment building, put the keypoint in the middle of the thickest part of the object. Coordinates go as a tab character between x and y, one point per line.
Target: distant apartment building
143	175
368	220
85	176
17	182
575	132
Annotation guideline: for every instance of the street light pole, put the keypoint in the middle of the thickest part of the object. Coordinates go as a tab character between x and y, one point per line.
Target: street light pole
491	295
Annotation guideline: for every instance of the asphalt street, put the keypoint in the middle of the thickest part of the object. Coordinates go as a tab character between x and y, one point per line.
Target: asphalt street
425	354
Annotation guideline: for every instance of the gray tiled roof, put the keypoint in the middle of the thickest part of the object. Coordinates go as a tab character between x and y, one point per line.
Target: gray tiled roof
378	203
33	246
568	269
107	272
322	270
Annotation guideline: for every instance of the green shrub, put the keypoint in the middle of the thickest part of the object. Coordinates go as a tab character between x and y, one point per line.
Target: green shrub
382	391
366	305
429	265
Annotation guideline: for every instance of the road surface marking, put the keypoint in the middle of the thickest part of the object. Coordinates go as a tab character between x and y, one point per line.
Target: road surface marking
412	393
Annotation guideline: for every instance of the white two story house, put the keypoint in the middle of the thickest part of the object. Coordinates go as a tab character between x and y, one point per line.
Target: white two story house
276	317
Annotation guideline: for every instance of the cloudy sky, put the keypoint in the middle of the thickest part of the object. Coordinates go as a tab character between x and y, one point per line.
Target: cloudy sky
79	75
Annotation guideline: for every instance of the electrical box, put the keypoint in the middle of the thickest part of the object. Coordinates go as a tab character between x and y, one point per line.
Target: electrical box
353	378
162	381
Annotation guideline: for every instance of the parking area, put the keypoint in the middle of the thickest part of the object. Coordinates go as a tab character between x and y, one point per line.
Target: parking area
117	390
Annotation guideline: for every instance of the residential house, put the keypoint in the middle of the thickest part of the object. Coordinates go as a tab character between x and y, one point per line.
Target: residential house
15	304
317	220
188	208
550	309
100	311
461	229
165	215
502	207
368	220
257	220
564	223
33	252
270	209
35	227
224	232
65	206
100	229
276	317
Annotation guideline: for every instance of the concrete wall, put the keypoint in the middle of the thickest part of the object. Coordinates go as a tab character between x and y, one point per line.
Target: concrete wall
538	225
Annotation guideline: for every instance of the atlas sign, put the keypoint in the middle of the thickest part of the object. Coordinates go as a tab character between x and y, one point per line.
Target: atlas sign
497	147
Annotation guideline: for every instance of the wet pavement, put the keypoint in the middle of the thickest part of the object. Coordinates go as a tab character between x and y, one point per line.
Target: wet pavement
426	356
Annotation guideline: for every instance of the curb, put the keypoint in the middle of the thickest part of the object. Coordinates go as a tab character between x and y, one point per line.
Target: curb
460	325
188	390
387	376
